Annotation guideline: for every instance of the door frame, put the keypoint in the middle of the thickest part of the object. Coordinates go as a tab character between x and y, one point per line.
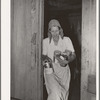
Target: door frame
39	48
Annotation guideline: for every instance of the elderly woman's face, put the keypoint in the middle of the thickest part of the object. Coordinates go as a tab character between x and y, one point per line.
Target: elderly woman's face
55	30
55	33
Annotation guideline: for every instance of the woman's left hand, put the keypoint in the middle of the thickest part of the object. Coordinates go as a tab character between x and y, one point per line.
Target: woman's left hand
63	63
57	53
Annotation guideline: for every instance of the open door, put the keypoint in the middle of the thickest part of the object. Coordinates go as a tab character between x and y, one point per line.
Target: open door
26	41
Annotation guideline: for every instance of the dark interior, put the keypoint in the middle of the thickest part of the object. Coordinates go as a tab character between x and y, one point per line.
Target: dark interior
68	12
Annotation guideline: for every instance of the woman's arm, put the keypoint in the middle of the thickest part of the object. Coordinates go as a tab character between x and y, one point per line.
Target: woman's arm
71	57
66	58
63	62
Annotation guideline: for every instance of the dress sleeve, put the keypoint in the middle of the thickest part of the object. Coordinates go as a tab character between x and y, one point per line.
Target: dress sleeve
45	46
69	45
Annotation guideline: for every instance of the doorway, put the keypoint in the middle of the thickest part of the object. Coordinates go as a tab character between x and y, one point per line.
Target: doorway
68	13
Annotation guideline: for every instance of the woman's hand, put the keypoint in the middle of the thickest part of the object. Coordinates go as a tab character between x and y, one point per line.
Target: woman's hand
62	62
57	52
69	55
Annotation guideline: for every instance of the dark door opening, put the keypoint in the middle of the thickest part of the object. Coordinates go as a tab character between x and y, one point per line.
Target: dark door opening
68	13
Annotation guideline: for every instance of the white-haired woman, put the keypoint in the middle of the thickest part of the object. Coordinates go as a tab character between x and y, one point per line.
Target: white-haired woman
58	52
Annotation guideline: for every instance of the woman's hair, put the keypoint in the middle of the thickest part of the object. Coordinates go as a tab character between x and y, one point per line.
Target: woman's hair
60	33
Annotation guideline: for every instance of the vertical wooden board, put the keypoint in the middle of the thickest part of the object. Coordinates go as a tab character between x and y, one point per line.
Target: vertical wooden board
93	37
26	50
34	22
85	49
28	86
31	70
88	45
37	31
27	82
39	48
18	48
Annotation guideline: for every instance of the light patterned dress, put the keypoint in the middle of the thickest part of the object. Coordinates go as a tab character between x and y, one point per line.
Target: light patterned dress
57	83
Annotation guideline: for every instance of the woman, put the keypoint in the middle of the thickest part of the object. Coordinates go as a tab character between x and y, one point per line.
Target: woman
58	52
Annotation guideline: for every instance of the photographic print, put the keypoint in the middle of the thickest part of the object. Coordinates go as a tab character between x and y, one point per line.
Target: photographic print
53	50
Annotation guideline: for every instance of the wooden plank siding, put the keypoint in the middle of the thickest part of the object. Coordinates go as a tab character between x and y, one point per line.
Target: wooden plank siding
26	43
88	44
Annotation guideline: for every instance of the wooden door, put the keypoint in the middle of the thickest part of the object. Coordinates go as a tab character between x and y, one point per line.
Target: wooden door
26	43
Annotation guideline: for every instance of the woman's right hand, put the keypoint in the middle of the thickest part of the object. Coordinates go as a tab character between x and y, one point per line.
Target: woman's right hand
57	53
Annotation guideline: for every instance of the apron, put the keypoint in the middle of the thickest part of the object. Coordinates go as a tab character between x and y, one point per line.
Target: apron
57	82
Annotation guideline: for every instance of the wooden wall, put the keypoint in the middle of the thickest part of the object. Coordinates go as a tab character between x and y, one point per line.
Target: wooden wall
26	34
88	44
